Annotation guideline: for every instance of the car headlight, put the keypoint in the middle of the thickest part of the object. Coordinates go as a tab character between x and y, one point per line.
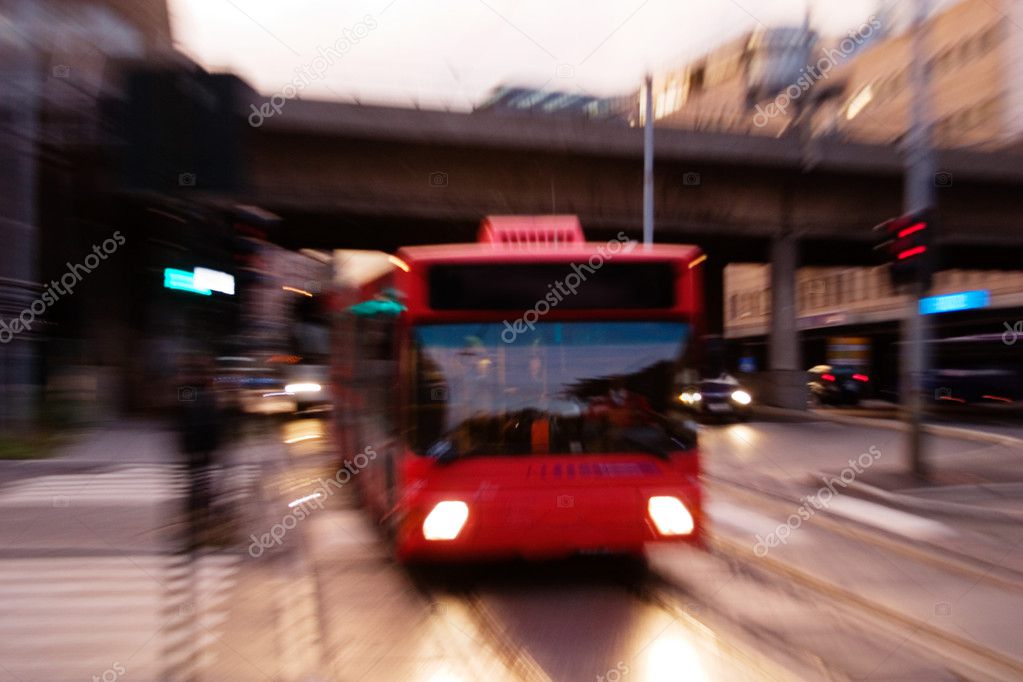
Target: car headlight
670	516
445	520
741	397
302	388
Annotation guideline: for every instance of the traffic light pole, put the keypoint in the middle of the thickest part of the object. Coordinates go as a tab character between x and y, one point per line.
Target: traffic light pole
918	195
915	363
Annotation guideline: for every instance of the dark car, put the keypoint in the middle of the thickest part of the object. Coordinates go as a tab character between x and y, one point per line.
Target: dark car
834	385
721	397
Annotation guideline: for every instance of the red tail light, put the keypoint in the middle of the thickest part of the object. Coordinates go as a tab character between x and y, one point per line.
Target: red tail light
828	377
861	377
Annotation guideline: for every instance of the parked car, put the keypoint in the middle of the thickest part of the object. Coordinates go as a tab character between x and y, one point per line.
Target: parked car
835	385
720	397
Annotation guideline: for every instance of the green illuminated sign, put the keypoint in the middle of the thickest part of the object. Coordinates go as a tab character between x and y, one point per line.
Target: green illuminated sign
376	307
182	280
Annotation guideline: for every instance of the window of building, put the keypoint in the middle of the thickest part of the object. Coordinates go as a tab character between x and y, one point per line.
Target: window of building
990	38
696	78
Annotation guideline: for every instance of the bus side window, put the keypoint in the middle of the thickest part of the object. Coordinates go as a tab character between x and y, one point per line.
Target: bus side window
377	372
428	399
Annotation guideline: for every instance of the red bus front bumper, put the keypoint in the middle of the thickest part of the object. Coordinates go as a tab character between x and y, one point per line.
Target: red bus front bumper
549	520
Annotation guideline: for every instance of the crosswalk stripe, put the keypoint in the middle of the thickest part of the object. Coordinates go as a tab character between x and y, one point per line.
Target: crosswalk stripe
127	484
71	617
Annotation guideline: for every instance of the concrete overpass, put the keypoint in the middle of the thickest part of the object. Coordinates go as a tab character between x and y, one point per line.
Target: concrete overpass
345	175
334	167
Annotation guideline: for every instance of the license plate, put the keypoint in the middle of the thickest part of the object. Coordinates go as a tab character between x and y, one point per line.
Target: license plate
850	385
718	407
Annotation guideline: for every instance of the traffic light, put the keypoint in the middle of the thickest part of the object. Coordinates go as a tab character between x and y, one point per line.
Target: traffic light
905	244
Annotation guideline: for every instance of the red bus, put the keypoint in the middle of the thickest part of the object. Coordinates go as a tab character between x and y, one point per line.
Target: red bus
517	395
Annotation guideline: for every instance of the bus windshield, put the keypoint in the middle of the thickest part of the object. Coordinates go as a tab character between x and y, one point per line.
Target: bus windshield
562	388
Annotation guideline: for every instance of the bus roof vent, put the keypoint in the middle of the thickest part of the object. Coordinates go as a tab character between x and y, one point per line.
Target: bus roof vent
545	231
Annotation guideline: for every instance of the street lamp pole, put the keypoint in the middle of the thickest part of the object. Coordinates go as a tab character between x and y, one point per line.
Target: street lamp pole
648	164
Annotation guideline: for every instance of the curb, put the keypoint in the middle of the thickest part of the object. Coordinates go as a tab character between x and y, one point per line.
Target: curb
909	501
887	615
894	425
970	564
932	506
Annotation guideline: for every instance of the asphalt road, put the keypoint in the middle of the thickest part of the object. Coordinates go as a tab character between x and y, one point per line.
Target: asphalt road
90	584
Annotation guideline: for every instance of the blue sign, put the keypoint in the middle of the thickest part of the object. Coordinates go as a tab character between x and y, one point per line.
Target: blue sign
950	303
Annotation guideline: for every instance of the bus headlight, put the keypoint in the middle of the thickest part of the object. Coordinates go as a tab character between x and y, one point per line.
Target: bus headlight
741	397
445	520
670	516
302	388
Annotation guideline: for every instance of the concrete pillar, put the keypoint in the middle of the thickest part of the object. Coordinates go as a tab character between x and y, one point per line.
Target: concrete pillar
714	294
787	376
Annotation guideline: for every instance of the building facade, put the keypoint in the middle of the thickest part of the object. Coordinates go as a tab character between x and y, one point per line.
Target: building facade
973	50
720	90
839	297
531	101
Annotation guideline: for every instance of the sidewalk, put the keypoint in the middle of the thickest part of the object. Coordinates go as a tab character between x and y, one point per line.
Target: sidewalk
976	494
941	558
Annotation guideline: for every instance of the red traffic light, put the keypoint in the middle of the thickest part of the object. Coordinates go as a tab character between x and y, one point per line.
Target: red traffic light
905	245
915	227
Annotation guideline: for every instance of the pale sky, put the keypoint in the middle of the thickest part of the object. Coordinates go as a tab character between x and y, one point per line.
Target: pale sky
452	52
